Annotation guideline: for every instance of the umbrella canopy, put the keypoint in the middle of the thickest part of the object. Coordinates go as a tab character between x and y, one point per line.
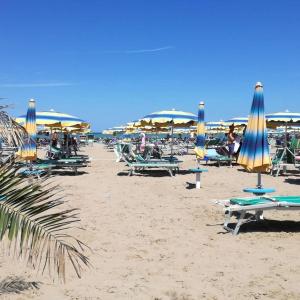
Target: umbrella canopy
52	118
239	121
28	150
200	140
215	125
254	155
169	118
283	118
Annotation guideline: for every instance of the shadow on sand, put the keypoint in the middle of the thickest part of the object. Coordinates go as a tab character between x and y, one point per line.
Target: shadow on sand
293	180
154	173
268	226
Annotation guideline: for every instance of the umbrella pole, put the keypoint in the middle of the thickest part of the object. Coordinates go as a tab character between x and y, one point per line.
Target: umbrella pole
172	140
259	185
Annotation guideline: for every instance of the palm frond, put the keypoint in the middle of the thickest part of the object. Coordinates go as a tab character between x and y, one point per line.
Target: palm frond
30	217
11	133
16	285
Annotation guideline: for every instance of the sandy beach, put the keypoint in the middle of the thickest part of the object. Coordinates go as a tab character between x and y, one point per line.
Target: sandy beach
151	237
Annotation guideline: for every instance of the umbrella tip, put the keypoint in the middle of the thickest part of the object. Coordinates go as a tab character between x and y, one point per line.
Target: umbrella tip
258	84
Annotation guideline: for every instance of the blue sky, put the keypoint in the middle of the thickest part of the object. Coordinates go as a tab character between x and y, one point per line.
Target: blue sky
113	61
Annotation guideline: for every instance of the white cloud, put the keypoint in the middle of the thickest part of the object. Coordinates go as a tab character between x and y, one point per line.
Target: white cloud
137	51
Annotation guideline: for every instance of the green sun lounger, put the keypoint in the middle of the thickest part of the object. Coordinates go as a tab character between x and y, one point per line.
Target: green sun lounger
140	166
243	207
66	163
213	155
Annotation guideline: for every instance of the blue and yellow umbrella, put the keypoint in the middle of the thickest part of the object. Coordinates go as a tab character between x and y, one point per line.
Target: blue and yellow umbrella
254	155
28	151
52	119
173	118
200	140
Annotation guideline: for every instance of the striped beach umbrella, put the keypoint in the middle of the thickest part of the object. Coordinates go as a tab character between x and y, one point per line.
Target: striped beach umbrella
200	140
239	121
254	155
172	118
28	150
283	118
169	118
52	118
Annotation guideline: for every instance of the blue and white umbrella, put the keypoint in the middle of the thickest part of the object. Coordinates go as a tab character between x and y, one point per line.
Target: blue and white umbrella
254	155
200	140
283	118
239	121
169	118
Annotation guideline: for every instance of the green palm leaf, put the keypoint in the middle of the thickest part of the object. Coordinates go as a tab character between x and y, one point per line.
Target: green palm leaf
35	228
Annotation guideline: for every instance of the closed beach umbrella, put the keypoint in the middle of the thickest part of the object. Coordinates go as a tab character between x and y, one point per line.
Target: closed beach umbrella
254	155
200	140
28	150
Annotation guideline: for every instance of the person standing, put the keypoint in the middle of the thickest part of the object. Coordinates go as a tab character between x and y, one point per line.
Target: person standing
230	140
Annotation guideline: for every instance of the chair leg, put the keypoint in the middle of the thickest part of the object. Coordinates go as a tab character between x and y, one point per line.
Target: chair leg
240	222
228	215
259	215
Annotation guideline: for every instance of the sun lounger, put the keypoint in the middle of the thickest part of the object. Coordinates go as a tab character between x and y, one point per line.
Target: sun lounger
140	166
240	207
213	155
65	163
135	164
56	153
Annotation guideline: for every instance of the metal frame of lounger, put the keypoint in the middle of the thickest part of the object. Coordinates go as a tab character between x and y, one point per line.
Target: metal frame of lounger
218	160
73	166
240	211
135	166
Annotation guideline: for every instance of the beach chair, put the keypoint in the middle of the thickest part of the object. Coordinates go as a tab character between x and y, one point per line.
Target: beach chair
251	209
139	164
286	157
213	155
61	164
56	153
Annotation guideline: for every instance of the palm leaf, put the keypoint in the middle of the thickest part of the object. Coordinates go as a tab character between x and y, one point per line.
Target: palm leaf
11	133
29	216
16	285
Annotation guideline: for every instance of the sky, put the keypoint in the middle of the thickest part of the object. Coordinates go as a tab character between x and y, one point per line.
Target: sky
114	61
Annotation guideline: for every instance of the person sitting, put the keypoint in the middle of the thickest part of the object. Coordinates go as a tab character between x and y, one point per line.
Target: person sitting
156	151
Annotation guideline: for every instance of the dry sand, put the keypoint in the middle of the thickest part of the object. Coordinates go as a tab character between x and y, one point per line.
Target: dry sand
152	238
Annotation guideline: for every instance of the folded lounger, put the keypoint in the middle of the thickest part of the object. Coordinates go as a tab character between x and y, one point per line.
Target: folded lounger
213	155
241	206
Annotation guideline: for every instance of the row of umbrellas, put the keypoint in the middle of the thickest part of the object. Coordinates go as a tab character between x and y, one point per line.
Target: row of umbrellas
254	154
161	121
